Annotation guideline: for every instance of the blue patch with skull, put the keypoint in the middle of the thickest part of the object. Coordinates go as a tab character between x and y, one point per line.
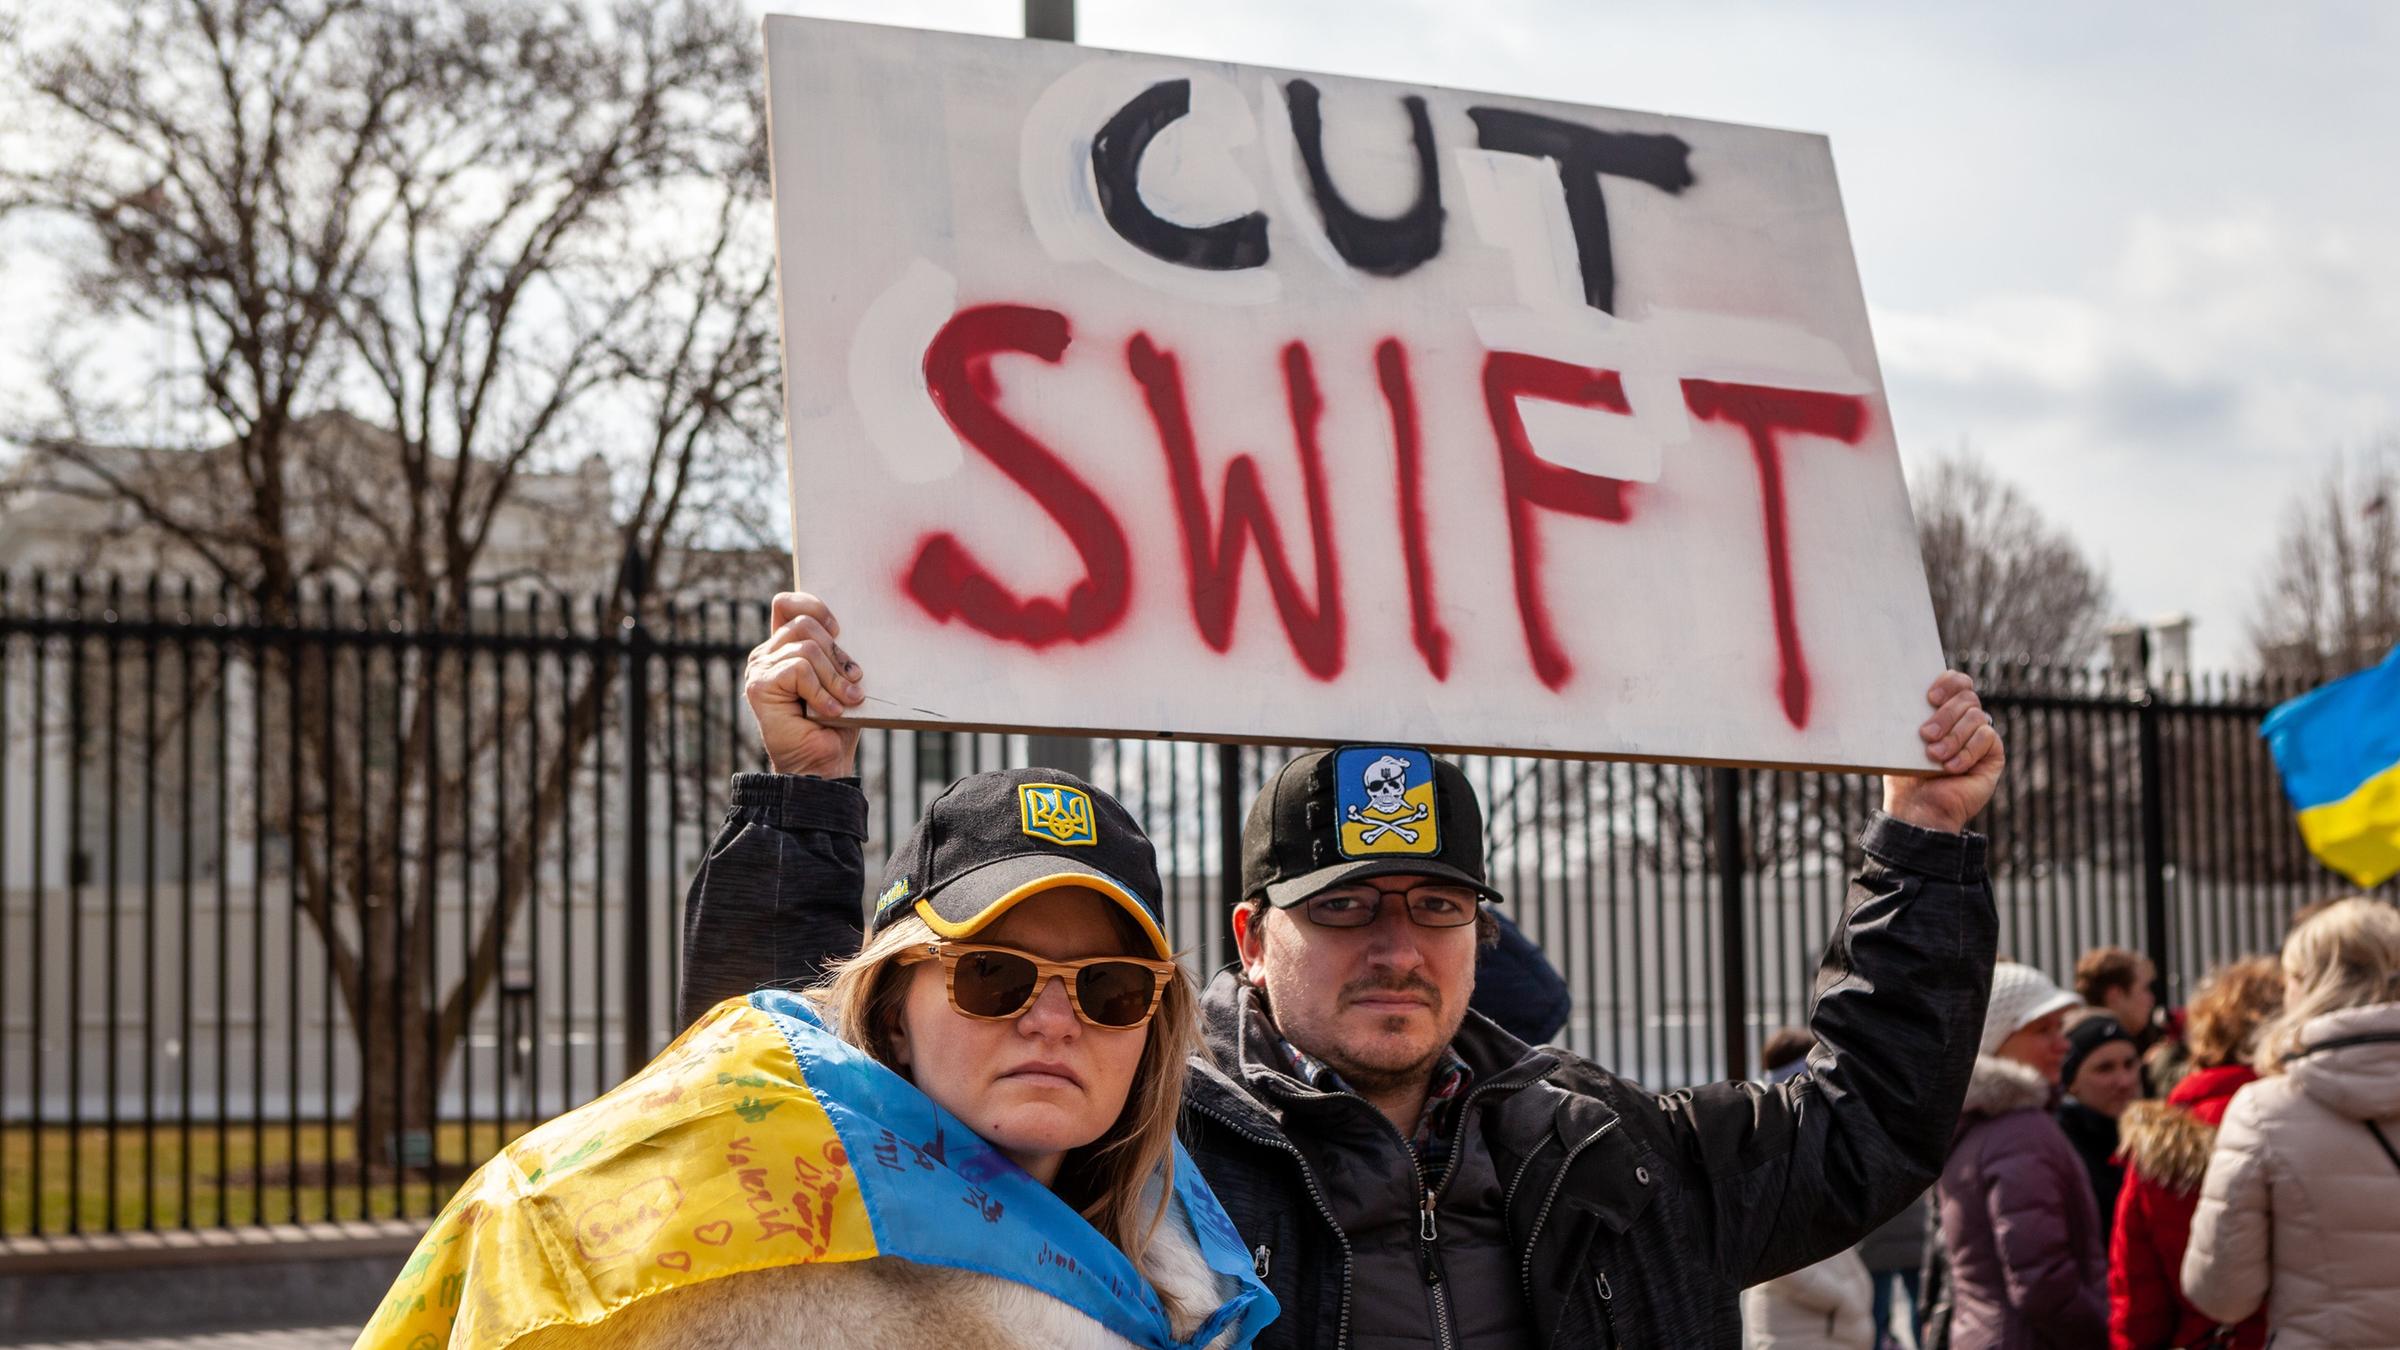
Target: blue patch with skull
1384	794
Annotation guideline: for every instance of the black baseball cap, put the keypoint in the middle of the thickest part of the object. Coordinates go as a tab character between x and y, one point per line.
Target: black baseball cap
1362	811
994	839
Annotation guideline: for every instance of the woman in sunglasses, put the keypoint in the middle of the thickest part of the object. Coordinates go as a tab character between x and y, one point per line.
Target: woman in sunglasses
1016	972
964	1136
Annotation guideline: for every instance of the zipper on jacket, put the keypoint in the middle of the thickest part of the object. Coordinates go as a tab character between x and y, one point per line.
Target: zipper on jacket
1459	1120
1444	1335
1426	1229
1428	1232
1541	1216
1341	1336
1608	1315
1261	1261
1428	1235
1508	1198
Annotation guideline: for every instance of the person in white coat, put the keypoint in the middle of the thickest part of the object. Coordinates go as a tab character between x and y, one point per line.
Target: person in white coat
1827	1306
2300	1208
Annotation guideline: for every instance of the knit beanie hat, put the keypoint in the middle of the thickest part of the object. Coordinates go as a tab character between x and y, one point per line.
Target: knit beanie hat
2020	994
2088	1035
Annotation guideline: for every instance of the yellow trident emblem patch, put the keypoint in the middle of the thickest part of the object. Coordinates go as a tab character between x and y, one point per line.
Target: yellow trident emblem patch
1060	814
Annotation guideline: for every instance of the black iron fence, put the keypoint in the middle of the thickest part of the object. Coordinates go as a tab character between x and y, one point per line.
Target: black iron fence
305	910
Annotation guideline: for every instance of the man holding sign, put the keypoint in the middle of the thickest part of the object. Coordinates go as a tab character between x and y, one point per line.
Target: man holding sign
1404	1172
1525	427
1137	396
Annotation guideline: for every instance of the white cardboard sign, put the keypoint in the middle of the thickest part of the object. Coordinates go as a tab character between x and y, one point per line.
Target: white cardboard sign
1163	397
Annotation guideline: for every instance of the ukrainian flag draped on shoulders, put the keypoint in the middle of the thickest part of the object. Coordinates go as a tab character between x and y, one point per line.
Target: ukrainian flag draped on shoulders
2339	750
761	1139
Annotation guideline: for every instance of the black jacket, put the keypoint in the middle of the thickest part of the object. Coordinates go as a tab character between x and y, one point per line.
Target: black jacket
2095	1139
1629	1217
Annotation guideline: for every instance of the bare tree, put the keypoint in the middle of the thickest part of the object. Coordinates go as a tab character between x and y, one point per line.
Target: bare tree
410	255
2331	604
2006	583
2016	601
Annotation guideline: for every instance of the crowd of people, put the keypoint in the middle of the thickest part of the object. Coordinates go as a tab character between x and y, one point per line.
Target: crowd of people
1351	1136
2130	1177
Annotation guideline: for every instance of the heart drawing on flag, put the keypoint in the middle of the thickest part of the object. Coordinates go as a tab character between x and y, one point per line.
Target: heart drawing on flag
622	1224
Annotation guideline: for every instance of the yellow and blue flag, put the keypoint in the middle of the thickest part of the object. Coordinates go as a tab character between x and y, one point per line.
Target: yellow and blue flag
2339	750
760	1139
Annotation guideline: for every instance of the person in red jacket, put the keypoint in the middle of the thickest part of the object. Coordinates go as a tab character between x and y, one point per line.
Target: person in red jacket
2165	1146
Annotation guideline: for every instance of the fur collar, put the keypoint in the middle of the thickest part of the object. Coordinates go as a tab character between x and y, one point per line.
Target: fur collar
2000	1086
1178	1271
2166	1145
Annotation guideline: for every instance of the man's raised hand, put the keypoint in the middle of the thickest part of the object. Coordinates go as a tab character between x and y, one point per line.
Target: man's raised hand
800	674
1962	742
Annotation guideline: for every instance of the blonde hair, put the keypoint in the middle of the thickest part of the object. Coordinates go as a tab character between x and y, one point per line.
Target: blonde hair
2346	957
1104	1180
2223	1022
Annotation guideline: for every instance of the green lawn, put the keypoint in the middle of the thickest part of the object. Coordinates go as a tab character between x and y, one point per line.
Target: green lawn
244	1176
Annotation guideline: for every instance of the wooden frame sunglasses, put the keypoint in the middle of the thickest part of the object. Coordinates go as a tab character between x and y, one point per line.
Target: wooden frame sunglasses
1001	983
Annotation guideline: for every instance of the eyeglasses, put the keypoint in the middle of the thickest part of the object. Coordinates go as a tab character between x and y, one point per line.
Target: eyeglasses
998	984
1358	906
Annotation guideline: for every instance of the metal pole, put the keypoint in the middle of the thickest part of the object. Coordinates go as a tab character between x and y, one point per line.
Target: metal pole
2154	837
1050	19
1735	962
1054	20
1229	825
637	818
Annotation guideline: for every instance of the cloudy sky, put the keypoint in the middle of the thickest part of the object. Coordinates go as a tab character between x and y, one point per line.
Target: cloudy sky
2140	256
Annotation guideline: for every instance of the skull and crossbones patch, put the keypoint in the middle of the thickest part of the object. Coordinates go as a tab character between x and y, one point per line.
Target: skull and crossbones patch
1384	795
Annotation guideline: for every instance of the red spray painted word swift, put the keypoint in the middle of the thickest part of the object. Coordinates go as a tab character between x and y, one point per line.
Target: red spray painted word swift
947	581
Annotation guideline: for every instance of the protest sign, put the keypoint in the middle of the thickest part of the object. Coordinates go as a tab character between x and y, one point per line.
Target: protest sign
1162	397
